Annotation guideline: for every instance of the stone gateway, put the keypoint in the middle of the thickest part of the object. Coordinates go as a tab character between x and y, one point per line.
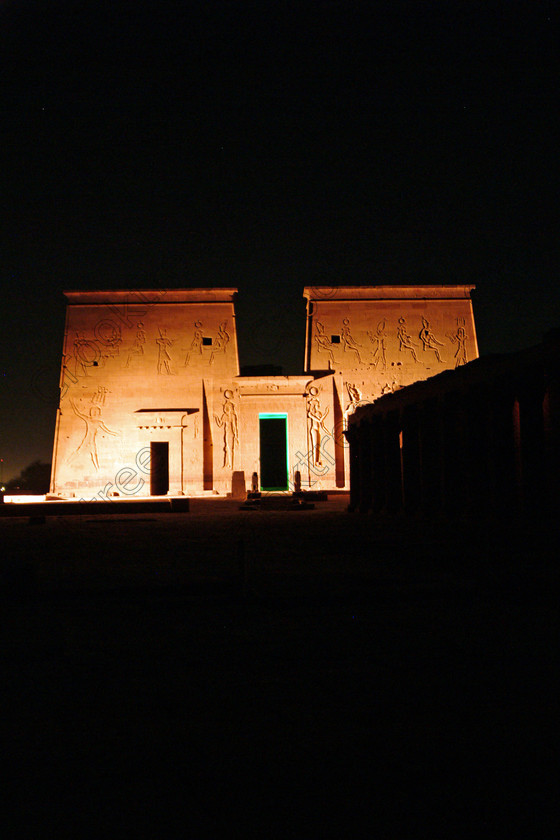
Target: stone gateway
152	401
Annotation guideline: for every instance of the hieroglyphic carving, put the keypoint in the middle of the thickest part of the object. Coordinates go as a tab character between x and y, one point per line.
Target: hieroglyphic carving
390	388
99	396
429	341
85	353
405	340
196	343
355	397
379	341
222	340
94	424
460	339
137	348
164	359
316	425
324	344
228	421
108	336
349	343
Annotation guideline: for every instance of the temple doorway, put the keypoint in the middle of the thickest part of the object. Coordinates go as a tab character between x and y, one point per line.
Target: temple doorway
159	468
273	436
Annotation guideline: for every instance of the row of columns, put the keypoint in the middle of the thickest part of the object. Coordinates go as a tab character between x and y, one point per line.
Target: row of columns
486	448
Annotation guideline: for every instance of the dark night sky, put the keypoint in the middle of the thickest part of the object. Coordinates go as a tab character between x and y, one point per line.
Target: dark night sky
268	147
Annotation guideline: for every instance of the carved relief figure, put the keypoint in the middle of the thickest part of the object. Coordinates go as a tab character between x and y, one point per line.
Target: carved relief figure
355	397
460	339
316	426
94	424
196	344
390	388
228	421
164	359
137	348
405	340
85	354
324	344
428	339
379	341
108	335
222	340
348	341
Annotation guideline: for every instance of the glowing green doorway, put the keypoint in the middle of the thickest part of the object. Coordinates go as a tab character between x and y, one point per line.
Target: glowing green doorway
273	437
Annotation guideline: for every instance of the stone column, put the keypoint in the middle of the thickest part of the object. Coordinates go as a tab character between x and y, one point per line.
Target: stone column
455	461
477	451
366	466
352	436
430	445
410	454
532	450
393	475
502	442
551	411
379	477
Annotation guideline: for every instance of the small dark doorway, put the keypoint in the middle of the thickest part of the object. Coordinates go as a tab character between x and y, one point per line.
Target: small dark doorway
159	468
273	451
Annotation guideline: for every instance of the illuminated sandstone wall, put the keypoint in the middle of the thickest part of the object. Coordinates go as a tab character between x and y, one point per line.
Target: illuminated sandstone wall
141	367
307	404
381	338
378	339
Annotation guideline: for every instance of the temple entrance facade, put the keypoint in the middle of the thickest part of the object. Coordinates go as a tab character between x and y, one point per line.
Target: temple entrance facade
152	401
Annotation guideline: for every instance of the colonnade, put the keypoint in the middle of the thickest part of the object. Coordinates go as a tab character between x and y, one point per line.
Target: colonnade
481	440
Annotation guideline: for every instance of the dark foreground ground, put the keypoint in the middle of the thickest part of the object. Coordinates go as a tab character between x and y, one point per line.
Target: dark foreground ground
305	674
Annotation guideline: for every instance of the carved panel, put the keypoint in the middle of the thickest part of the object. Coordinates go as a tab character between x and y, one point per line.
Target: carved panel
429	341
229	423
405	340
348	342
379	341
222	341
324	344
315	425
137	349
196	344
94	424
164	359
460	339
